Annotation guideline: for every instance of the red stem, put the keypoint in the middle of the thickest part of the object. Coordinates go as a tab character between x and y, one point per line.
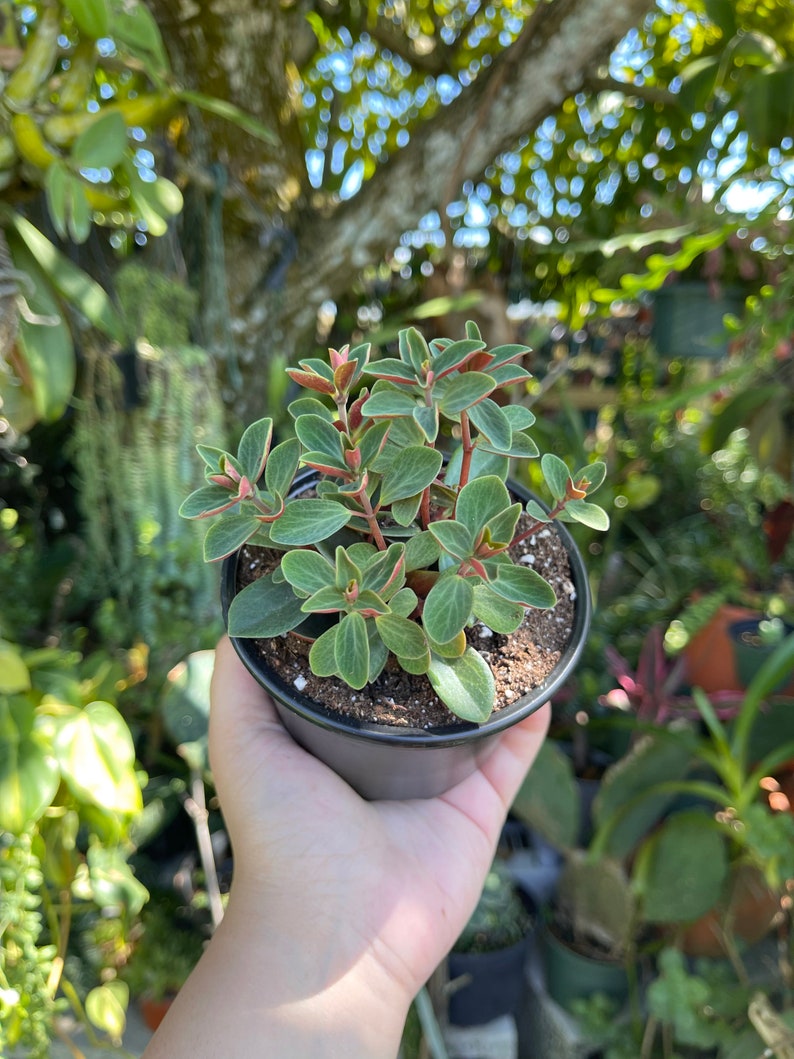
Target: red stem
372	520
468	449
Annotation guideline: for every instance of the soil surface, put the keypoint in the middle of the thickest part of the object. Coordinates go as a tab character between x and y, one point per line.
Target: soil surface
520	661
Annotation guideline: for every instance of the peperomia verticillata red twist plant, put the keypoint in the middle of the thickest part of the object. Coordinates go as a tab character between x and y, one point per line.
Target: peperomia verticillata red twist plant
399	546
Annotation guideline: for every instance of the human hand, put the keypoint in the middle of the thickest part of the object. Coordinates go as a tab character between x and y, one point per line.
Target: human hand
357	901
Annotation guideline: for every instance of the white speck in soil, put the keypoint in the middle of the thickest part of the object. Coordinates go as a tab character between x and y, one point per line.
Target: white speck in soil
300	682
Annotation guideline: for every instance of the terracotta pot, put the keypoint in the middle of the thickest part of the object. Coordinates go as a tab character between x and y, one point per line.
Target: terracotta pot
748	911
154	1011
385	761
709	654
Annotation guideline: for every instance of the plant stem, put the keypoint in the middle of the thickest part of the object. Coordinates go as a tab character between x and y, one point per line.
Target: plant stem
558	508
196	807
468	449
371	519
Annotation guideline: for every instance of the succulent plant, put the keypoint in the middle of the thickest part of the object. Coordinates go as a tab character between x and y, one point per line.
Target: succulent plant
403	540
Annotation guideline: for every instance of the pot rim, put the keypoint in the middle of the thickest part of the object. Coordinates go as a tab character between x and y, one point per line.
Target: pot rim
446	736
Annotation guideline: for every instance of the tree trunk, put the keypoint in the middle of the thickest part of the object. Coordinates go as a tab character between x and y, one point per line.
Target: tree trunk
286	260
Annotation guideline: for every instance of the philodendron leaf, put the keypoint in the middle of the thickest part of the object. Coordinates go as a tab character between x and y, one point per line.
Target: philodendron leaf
264	608
465	685
523	585
588	514
497	613
403	638
307	570
308	521
227	535
96	754
447	607
29	775
352	650
555	474
480	500
411	472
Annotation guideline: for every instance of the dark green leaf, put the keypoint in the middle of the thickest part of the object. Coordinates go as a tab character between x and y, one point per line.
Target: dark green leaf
326	600
264	609
403	638
304	406
388	403
317	433
281	465
404	602
207	500
405	511
455	355
421	551
91	17
392	369
427	421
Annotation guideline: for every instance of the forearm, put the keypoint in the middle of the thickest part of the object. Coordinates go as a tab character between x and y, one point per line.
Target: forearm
265	989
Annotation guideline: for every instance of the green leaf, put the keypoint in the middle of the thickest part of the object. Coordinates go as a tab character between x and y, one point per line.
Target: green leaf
427	421
521	447
91	17
134	26
79	214
185	704
103	143
421	551
536	512
454	538
322	655
206	500
304	406
588	514
447	607
222	108
384	569
352	650
481	500
55	185
556	475
411	472
502	527
95	752
403	637
404	602
392	369
465	685
69	280
491	421
14	674
29	774
264	608
307	570
464	391
595	473
227	535
413	348
318	434
281	465
388	403
113	885
523	585
681	869
455	355
405	511
325	600
105	1009
308	521
496	612
253	448
417	666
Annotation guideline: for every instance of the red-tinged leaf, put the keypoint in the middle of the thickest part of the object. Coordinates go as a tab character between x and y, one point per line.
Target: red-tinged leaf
343	375
393	370
455	356
310	382
508	354
206	501
317	461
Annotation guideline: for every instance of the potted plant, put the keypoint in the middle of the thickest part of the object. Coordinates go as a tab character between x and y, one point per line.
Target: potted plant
381	580
753	641
486	964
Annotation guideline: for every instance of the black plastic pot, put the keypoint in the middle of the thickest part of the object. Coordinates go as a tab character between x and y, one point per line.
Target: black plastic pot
384	761
494	984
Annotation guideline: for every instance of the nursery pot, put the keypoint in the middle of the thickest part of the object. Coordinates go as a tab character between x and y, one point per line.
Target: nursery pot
571	975
494	984
386	761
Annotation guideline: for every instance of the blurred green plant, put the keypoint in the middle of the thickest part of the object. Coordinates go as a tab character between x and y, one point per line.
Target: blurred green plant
69	793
